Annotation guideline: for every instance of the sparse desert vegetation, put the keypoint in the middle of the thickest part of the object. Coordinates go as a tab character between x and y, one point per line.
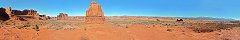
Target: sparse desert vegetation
131	28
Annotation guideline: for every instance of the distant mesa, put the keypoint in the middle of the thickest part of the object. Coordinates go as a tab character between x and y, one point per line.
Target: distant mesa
32	14
94	15
62	16
44	17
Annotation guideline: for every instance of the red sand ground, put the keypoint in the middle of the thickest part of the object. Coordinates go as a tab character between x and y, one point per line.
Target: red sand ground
9	33
107	32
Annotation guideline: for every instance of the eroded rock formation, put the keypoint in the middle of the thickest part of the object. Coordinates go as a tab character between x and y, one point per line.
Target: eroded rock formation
94	14
7	16
32	14
62	16
4	16
16	16
44	17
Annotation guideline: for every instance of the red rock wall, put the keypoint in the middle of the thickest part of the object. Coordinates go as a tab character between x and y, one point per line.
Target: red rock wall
17	12
30	12
27	13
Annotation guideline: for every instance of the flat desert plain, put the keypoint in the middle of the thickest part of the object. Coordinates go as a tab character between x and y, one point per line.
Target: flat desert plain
122	28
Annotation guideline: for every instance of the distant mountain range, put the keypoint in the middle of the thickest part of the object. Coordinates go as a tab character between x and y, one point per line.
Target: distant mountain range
212	18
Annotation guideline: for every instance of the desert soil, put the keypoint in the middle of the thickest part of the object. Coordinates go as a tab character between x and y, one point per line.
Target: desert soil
77	30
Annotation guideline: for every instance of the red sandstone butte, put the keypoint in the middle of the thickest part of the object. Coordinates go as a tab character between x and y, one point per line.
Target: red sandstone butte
94	14
62	16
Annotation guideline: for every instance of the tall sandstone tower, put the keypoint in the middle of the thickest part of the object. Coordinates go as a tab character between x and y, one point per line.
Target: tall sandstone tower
94	14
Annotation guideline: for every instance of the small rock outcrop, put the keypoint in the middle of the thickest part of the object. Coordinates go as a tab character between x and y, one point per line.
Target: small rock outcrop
62	16
94	15
44	17
179	20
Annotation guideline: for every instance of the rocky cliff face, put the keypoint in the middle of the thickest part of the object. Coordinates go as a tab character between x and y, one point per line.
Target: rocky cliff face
4	15
62	16
7	16
16	16
32	14
94	14
25	12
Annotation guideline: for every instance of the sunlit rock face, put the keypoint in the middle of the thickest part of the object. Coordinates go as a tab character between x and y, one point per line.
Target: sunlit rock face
94	14
9	11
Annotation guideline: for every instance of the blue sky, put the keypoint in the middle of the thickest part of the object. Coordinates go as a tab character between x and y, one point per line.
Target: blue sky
166	8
